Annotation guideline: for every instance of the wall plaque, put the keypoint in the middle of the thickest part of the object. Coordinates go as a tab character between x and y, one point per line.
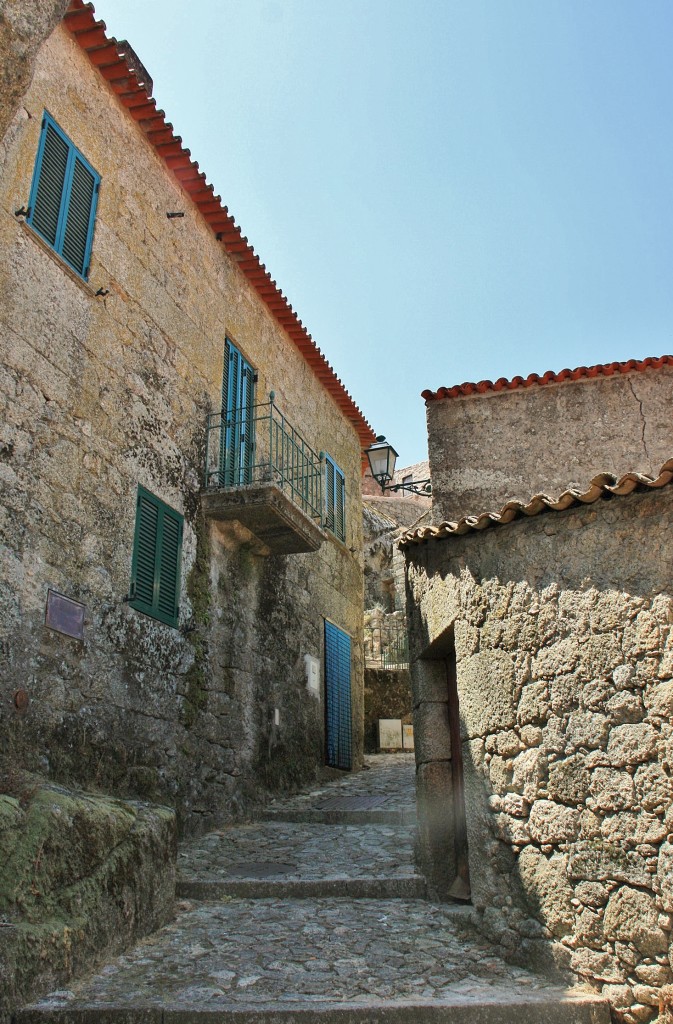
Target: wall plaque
64	615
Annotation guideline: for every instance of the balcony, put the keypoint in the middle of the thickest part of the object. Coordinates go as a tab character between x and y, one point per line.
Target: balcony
261	473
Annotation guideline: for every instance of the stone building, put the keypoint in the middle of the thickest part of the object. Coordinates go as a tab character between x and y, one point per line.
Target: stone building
180	607
542	675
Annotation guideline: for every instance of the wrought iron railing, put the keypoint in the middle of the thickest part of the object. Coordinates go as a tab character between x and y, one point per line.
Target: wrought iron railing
387	644
259	445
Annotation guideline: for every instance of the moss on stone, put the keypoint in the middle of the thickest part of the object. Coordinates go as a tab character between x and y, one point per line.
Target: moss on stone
198	591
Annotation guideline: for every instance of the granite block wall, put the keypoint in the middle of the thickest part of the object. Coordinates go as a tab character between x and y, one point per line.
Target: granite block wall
562	630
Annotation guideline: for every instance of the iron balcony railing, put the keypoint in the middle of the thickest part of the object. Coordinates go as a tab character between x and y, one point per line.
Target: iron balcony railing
258	445
387	644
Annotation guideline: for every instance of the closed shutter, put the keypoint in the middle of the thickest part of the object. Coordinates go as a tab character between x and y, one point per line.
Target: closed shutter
329	494
157	554
339	510
248	424
169	564
80	216
63	197
237	438
50	174
146	542
335	499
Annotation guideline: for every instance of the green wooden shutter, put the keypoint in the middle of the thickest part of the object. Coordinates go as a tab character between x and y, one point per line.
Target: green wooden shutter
50	174
157	554
145	550
79	219
169	565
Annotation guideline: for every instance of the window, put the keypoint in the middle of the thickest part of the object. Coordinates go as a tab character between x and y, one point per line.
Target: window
63	197
155	569
335	499
237	438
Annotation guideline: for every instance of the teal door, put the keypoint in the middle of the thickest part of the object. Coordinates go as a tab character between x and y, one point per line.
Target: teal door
338	723
237	436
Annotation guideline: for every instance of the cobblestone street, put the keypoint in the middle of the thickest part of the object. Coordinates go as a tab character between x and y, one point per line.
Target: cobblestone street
327	954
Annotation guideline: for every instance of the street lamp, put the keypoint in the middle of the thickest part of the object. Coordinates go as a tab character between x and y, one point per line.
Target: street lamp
381	457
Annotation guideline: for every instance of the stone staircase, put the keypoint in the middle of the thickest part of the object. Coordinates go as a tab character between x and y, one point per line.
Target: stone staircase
316	914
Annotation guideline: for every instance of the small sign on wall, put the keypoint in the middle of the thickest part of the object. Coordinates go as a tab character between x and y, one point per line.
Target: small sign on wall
312	674
64	615
407	737
390	734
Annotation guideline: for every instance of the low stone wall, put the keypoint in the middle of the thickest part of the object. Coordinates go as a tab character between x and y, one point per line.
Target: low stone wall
82	878
387	695
561	631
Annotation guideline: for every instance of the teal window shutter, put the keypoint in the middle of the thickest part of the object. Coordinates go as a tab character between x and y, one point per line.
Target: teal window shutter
335	499
237	436
63	197
157	554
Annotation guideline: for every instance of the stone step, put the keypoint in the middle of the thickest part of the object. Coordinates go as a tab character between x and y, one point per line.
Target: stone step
319	961
365	887
313	815
559	1008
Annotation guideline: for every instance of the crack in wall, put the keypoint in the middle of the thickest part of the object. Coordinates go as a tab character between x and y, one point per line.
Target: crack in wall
643	422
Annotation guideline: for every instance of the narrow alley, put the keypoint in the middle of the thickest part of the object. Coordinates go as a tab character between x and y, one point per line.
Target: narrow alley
316	913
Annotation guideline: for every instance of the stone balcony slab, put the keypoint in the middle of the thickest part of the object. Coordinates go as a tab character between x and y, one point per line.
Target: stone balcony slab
268	513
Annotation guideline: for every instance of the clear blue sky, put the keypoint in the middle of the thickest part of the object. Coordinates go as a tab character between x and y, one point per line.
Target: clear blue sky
446	191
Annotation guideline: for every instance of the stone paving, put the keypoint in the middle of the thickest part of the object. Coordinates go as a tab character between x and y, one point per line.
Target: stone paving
299	851
265	959
388	779
261	951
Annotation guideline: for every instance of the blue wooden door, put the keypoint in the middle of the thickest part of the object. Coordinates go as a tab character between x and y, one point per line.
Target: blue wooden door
338	697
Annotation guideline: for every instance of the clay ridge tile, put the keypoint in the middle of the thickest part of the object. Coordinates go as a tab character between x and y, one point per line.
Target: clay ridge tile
604	485
505	384
103	52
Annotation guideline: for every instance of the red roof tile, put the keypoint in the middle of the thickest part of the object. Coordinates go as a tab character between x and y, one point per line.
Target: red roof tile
601	486
503	384
103	52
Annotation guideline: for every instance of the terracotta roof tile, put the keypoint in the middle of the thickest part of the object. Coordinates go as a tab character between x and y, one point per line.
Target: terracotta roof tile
602	486
504	384
112	63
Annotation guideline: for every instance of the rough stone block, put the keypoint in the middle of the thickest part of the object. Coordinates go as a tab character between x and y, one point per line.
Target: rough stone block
665	875
624	707
587	729
431	732
612	790
569	780
548	890
553	823
598	861
632	744
632	916
485	689
598	966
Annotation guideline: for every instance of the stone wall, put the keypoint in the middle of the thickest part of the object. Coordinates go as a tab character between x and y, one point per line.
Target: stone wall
487	448
83	877
561	626
100	394
24	26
